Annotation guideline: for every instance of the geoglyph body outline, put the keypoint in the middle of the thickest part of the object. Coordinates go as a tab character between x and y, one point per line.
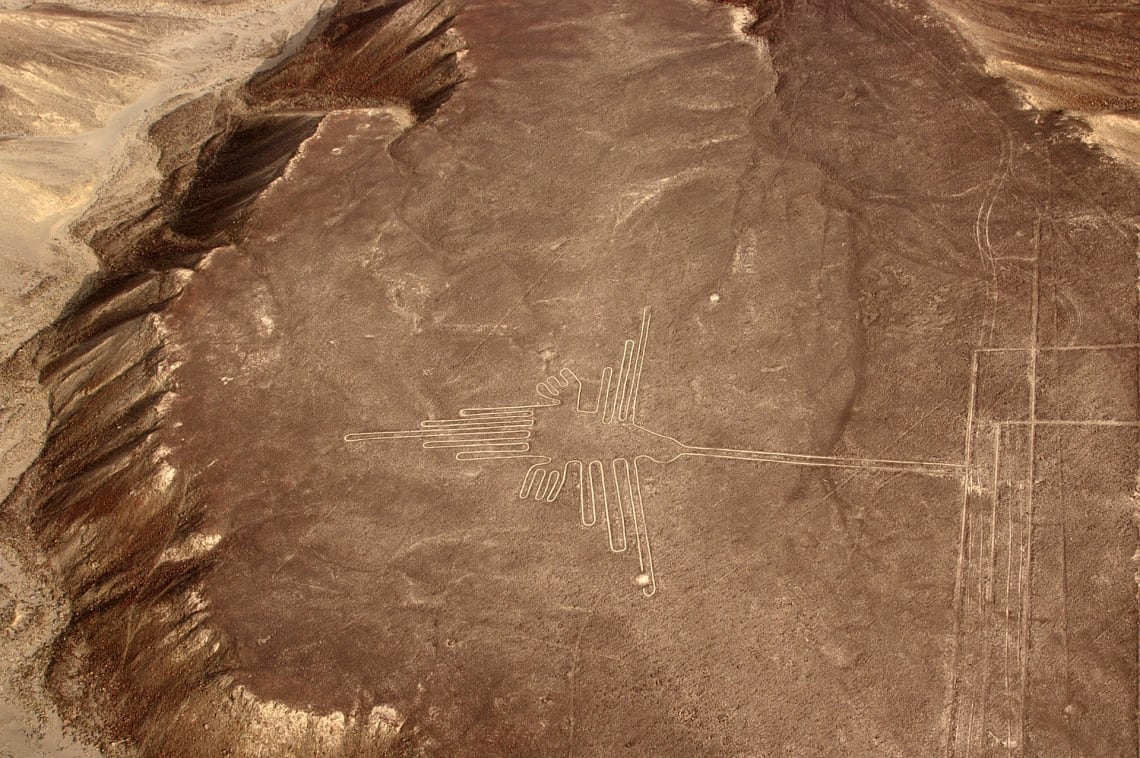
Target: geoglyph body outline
507	432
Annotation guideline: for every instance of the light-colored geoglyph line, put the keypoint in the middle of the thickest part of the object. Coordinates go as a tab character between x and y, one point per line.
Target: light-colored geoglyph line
930	468
1027	589
988	599
1062	348
1008	588
620	497
1074	422
1009	622
1017	614
952	691
611	487
639	364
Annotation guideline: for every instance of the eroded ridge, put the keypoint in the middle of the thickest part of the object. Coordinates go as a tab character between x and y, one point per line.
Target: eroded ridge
593	448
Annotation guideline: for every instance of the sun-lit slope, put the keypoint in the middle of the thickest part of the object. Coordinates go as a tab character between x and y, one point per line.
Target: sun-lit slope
79	88
1077	56
66	70
114	517
220	151
1073	55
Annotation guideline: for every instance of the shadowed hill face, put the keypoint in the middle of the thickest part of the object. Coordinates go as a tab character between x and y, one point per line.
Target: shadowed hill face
366	52
219	151
878	260
248	159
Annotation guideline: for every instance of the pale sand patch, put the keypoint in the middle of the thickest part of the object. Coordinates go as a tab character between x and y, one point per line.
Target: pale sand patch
73	147
1118	135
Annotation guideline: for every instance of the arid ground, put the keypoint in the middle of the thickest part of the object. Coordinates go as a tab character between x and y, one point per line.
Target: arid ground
586	378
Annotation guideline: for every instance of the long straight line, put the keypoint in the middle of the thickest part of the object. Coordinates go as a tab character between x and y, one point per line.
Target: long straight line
505	443
1064	422
1136	306
1065	623
476	422
429	434
1062	348
1110	346
1005	625
987	599
952	690
932	468
1034	305
642	339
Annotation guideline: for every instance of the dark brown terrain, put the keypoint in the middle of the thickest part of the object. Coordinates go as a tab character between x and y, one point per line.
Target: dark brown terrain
594	378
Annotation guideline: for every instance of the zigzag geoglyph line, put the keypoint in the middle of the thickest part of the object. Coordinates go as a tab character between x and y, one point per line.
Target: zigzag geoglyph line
608	484
478	433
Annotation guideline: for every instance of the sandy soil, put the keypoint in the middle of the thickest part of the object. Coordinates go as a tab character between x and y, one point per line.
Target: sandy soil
834	435
1077	57
81	85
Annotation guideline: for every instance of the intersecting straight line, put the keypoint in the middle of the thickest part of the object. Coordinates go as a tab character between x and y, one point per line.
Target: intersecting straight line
560	249
951	704
1027	589
1061	348
931	468
1075	422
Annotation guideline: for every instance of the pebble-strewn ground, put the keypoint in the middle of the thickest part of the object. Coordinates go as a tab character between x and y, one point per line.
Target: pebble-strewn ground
810	249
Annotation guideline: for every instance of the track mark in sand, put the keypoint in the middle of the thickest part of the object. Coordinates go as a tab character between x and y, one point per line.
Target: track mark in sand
982	236
594	447
572	676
